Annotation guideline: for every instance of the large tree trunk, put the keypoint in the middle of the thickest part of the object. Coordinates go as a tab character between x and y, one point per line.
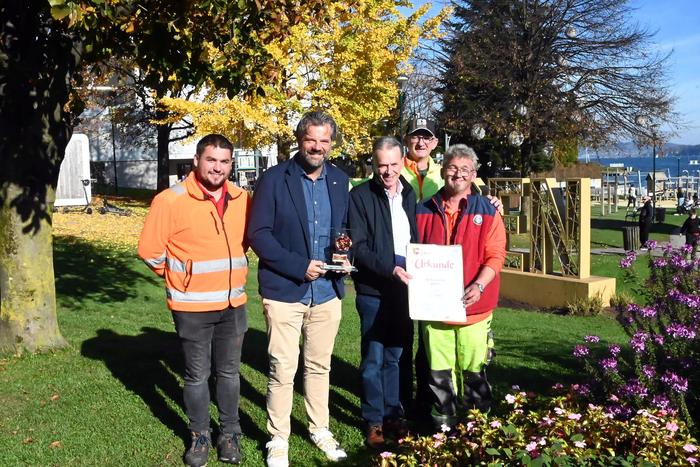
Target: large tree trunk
163	156
27	292
39	60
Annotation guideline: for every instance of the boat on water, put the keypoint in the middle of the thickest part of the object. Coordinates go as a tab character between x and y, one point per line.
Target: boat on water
693	162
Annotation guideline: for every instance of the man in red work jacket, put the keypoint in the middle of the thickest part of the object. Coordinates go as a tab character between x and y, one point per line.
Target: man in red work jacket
461	351
193	236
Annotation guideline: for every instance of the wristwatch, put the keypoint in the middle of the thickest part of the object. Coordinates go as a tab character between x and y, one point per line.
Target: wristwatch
481	286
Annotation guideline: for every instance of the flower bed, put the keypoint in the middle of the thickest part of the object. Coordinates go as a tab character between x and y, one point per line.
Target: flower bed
662	365
562	430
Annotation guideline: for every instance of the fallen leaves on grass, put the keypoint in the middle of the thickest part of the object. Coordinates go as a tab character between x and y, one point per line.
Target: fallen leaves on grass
113	230
56	444
55	397
28	440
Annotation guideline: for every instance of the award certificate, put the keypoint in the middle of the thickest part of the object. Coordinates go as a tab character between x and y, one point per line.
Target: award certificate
436	288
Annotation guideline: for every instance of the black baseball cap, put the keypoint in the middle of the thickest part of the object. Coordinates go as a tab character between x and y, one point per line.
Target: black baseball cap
420	123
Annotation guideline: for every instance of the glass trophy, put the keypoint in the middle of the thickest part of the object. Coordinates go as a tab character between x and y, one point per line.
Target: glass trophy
340	258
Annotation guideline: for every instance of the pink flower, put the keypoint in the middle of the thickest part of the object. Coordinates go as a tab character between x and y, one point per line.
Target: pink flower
510	398
531	446
692	460
672	427
690	448
574	416
445	427
580	351
580	444
608	364
546	421
495	424
387	455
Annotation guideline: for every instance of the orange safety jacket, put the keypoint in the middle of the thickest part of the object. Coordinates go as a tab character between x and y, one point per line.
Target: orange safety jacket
201	255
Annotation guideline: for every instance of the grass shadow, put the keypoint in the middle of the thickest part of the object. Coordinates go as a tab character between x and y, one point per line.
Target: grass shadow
610	224
147	365
88	272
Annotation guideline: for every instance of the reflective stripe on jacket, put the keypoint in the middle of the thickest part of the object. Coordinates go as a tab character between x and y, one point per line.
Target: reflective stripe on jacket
201	255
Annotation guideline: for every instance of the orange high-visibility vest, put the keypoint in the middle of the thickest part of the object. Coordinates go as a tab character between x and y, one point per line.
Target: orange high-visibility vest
201	255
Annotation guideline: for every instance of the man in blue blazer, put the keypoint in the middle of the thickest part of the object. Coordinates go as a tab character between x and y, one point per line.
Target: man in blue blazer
297	208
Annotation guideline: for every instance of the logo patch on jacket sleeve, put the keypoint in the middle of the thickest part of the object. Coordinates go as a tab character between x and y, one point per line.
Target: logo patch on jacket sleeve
478	220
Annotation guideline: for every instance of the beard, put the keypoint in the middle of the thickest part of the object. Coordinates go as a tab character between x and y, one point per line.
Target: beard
311	163
210	186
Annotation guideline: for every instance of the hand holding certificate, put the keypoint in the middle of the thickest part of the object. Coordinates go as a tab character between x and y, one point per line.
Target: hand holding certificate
436	288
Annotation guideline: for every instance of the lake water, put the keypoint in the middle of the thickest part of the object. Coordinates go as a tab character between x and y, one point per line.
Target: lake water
671	165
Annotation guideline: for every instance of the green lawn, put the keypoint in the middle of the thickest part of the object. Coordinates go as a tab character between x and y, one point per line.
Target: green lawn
113	397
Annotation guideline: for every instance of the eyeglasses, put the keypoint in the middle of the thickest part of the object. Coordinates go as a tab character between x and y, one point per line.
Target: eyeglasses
425	139
463	171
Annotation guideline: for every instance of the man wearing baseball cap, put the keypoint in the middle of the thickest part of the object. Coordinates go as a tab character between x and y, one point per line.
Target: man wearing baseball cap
420	170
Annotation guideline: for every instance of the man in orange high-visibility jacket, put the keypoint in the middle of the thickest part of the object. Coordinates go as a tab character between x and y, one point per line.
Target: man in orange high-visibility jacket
193	236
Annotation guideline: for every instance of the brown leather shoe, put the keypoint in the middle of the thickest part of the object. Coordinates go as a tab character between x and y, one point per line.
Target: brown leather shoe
396	428
375	437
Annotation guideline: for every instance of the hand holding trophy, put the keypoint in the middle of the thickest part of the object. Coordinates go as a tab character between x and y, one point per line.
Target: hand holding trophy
340	262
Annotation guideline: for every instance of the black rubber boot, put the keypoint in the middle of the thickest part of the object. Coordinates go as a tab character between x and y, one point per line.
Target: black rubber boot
477	391
444	398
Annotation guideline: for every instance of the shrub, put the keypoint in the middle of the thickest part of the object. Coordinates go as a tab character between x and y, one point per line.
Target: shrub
621	300
660	366
552	431
586	306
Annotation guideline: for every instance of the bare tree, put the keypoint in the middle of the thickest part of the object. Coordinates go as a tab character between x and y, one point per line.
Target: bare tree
538	75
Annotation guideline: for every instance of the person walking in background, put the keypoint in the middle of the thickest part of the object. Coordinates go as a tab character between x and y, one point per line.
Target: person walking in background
456	217
193	236
646	215
691	229
382	221
631	196
297	207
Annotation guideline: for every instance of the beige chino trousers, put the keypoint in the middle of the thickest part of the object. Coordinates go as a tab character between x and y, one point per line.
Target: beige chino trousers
286	323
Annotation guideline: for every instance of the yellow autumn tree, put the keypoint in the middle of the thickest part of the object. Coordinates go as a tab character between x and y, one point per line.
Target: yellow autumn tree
346	65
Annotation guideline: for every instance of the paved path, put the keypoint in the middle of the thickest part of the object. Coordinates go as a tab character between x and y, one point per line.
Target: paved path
605	251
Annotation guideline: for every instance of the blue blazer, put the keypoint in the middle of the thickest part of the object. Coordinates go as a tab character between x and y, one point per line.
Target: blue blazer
278	230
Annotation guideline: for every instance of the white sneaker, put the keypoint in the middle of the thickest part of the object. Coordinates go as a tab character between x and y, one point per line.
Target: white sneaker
277	452
325	441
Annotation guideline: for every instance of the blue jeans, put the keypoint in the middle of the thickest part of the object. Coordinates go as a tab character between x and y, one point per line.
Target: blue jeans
206	337
384	323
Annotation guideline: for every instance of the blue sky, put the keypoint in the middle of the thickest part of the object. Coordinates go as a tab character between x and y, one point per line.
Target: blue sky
677	26
677	23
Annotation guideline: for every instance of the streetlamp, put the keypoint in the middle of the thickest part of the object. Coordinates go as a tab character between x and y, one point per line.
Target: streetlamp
645	123
111	91
401	80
